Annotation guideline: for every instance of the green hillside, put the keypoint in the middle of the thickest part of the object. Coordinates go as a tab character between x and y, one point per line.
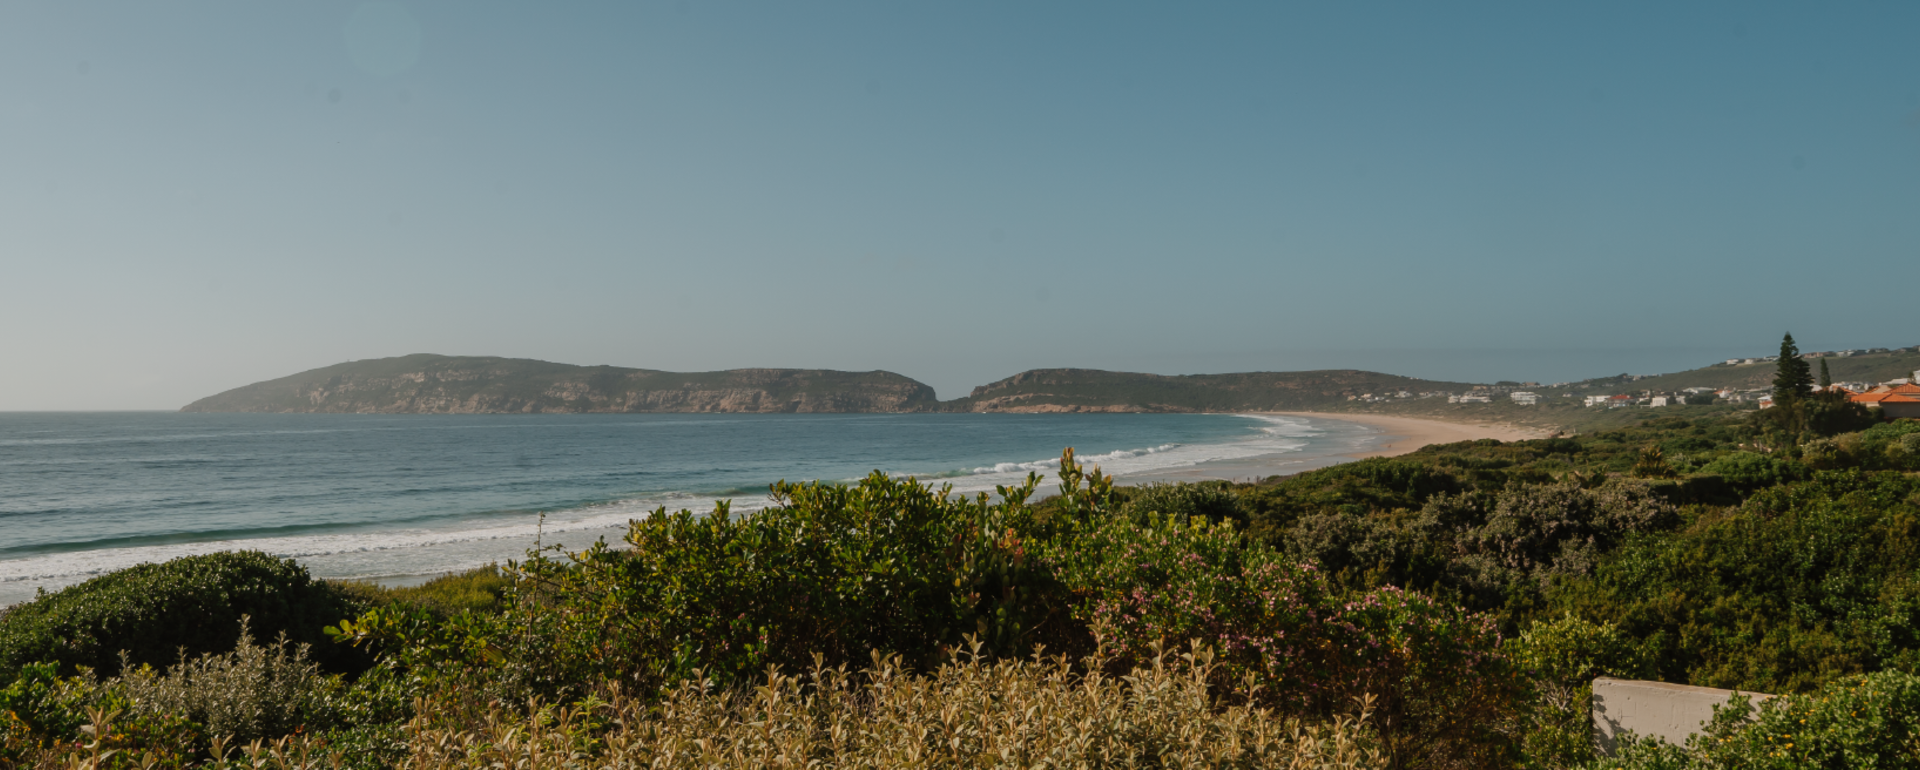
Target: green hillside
1865	367
473	384
1095	390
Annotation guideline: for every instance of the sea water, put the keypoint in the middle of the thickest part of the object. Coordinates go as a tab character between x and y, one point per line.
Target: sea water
392	496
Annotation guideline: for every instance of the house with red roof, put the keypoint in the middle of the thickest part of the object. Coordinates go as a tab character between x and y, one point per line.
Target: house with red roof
1893	401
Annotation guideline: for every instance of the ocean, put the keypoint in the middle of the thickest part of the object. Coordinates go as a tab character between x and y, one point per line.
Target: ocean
399	498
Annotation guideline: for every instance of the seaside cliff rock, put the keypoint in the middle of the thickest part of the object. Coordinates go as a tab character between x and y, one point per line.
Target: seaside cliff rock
432	384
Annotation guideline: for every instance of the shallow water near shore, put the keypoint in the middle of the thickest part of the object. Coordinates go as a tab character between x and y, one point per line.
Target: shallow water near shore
391	497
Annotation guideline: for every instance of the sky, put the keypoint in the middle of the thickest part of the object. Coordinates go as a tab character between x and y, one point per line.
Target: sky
195	195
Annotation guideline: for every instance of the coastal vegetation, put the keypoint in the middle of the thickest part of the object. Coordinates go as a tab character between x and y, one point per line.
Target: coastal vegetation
1443	608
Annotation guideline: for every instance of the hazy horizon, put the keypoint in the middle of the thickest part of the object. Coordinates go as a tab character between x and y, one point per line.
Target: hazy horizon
203	195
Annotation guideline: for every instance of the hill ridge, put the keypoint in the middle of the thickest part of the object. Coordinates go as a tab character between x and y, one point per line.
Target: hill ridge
435	384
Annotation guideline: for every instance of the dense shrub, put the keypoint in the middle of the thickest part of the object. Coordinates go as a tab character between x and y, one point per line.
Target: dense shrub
476	590
252	692
1542	532
1803	584
1213	501
969	713
1751	470
153	612
41	712
1288	638
1739	561
37	710
1356	488
1867	721
1562	656
887	564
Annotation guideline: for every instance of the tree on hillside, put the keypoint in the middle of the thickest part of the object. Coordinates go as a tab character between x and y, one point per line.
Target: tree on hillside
1826	380
1794	377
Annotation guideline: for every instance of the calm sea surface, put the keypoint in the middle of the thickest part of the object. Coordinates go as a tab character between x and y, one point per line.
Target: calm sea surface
385	496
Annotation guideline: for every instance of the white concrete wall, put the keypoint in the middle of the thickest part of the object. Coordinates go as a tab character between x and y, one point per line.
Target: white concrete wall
1671	712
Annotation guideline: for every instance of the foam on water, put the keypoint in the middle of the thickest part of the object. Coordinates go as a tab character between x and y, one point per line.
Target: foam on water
372	550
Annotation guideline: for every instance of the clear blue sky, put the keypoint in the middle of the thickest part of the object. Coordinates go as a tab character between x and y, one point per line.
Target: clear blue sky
199	195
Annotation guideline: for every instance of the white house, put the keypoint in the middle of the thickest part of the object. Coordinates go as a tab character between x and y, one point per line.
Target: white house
1524	398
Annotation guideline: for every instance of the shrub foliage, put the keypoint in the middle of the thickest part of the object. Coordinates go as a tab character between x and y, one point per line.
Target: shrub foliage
154	613
1444	608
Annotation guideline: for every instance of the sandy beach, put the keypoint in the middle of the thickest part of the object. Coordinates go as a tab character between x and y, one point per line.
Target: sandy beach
1407	433
1399	435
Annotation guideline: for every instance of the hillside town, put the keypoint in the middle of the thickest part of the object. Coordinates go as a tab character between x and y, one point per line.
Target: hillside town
1892	399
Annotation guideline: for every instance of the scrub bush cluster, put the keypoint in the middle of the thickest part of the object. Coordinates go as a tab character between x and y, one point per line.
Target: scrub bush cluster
1445	608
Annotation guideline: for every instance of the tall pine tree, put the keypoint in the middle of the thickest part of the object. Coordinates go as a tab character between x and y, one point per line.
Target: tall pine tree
1826	380
1794	378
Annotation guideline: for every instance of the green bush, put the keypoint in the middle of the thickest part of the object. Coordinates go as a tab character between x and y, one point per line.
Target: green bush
1288	638
1541	532
1562	656
1803	584
154	612
1867	721
477	590
1358	487
1750	470
837	571
252	692
1213	501
37	710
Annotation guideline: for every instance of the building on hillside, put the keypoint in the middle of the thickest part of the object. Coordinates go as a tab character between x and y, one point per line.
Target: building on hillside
1900	406
1618	401
1524	398
1657	401
1893	401
1597	400
1766	402
1470	398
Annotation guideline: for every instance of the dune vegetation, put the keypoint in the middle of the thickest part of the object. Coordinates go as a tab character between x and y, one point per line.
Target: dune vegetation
1446	608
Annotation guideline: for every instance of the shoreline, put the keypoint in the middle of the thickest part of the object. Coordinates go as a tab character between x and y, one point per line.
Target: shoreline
1412	433
1345	439
1397	436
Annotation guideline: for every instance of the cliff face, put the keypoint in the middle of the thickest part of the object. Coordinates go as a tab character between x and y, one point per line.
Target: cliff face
429	384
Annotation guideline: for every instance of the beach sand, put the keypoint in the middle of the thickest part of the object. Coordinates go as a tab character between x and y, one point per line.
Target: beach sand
1399	435
1406	434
